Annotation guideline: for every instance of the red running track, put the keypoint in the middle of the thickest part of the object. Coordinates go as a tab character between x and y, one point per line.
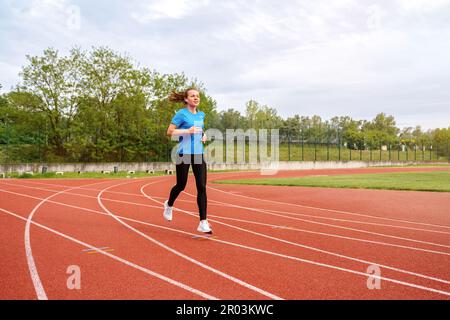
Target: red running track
268	243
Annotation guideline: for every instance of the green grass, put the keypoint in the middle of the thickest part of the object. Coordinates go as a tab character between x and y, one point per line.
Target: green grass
417	165
438	181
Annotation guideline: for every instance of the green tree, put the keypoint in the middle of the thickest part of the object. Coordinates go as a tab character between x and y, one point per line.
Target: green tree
55	81
380	131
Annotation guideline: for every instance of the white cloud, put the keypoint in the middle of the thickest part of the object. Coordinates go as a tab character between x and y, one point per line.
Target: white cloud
9	75
160	9
423	5
355	57
45	12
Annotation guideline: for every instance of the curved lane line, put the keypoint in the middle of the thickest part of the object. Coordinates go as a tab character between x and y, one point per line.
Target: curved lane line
335	211
316	249
218	272
114	257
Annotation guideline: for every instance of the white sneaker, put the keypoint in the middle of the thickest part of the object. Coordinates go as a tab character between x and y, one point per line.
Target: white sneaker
167	211
204	227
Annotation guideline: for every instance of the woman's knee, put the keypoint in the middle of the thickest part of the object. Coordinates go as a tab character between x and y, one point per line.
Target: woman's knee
181	186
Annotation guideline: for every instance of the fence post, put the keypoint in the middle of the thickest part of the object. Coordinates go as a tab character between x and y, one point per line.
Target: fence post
302	144
389	152
448	154
289	145
339	145
315	149
7	143
328	144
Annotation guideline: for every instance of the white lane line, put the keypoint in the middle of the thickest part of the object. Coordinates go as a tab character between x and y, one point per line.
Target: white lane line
307	215
270	212
295	229
325	209
240	245
37	283
218	272
331	235
319	217
312	207
334	211
114	257
309	247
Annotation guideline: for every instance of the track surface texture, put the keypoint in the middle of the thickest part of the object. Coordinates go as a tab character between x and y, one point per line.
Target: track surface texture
107	239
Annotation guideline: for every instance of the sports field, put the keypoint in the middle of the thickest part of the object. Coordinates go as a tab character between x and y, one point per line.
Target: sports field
269	242
416	181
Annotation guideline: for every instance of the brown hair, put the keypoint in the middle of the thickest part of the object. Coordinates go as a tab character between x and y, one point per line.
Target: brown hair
180	96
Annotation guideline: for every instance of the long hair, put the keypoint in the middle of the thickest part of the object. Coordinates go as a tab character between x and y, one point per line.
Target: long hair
180	96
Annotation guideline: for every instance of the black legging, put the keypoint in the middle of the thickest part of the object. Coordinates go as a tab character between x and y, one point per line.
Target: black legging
199	169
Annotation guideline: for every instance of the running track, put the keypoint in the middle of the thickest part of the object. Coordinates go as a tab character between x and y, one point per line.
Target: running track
268	243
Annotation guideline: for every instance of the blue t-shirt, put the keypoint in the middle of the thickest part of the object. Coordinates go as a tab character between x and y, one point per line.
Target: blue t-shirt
189	143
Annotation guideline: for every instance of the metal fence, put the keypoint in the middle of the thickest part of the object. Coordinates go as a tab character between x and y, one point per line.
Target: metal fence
293	146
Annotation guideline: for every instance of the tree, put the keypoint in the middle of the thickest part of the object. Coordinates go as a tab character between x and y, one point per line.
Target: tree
55	82
231	119
380	131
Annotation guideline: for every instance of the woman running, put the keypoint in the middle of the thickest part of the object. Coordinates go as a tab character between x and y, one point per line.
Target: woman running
188	125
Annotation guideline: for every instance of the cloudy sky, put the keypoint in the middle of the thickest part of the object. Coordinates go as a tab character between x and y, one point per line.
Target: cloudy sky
325	57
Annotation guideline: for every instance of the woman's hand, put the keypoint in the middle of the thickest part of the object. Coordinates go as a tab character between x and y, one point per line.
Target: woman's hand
195	130
204	138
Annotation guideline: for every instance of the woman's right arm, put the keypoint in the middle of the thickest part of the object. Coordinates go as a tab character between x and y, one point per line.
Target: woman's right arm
172	130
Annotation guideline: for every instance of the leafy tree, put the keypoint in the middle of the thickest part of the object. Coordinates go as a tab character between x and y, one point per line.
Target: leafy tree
55	82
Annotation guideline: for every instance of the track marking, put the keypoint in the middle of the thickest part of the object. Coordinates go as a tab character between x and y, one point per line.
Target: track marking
270	212
37	283
218	272
235	193
311	248
247	221
274	212
126	262
331	210
331	235
87	250
104	249
246	247
197	237
280	213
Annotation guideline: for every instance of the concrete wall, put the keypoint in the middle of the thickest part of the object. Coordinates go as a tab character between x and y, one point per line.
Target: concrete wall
161	166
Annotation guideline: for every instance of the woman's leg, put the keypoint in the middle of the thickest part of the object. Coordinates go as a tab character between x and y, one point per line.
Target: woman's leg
200	181
182	170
